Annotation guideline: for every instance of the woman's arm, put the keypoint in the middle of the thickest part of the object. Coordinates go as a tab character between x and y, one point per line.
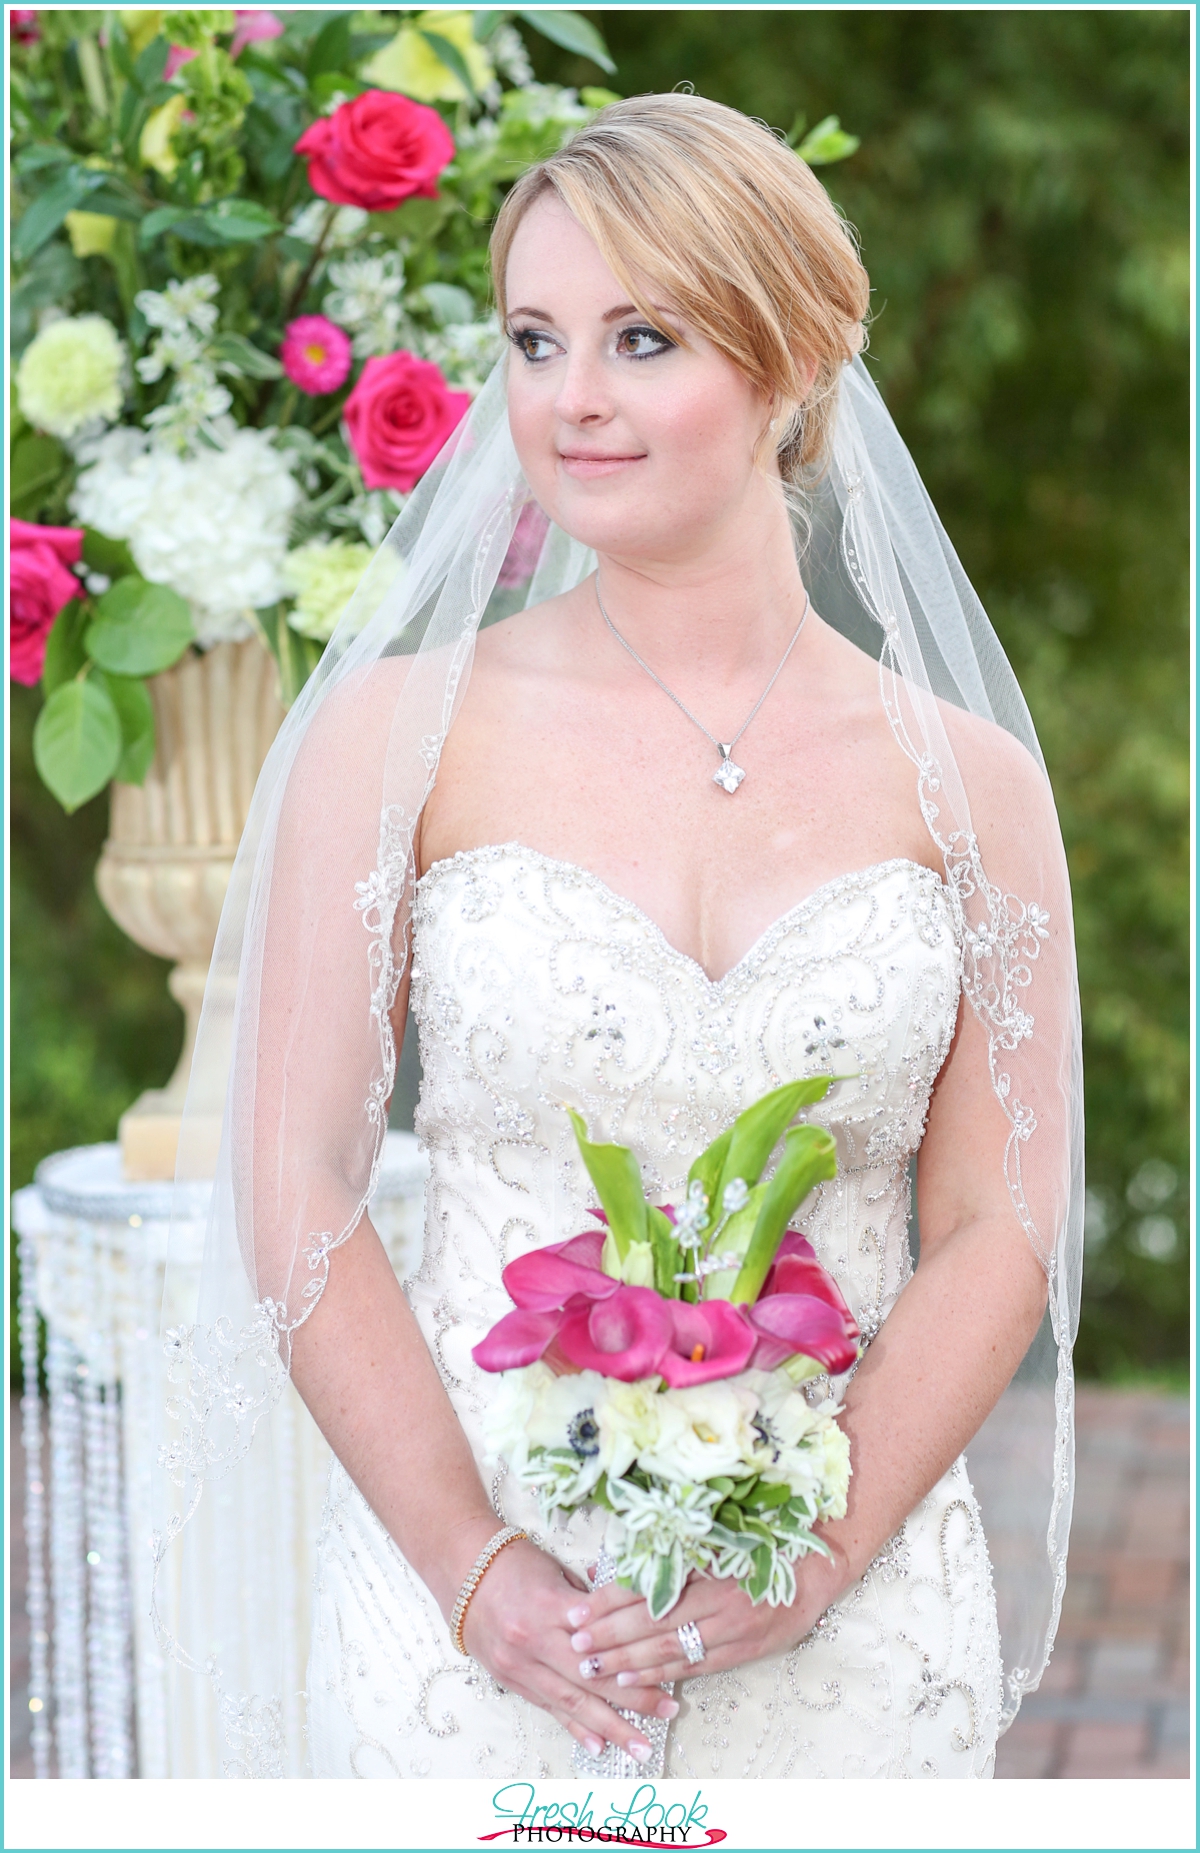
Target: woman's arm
938	1365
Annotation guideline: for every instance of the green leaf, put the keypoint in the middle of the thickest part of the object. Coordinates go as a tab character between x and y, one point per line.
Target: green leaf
103	555
330	50
707	1167
151	63
115	202
162	219
241	221
826	143
139	628
37	462
65	654
764	1562
809	1158
756	1132
744	1488
572	31
666	1252
613	1169
667	1586
131	699
41	154
449	303
485	23
721	1483
77	742
234	354
43	216
450	56
764	1497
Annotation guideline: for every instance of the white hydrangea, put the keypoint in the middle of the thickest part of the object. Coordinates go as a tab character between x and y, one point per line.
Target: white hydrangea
213	526
365	300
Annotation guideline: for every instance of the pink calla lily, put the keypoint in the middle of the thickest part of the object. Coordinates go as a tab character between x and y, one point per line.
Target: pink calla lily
786	1323
548	1278
624	1335
521	1337
711	1339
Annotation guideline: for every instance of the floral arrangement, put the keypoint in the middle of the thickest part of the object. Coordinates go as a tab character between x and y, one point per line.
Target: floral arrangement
249	305
655	1366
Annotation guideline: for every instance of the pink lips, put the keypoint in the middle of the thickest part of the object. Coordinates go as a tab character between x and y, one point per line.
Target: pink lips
585	468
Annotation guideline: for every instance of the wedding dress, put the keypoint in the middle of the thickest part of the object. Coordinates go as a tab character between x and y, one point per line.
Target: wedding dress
535	986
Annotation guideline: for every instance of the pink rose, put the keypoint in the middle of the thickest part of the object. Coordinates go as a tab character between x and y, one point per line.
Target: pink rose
315	354
399	415
376	151
23	26
40	586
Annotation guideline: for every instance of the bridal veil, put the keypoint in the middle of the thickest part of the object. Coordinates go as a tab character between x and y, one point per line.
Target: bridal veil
296	1054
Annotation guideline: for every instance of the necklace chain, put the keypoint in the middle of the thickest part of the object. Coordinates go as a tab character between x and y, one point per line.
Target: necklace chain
728	775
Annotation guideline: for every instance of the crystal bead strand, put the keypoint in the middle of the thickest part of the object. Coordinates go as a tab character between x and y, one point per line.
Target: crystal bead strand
144	1389
36	1604
67	1564
108	1606
283	1422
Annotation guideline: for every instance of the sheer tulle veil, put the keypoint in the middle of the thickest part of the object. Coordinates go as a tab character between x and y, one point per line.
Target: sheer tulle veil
296	1055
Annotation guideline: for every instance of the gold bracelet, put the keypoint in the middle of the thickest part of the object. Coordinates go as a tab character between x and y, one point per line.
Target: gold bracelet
475	1576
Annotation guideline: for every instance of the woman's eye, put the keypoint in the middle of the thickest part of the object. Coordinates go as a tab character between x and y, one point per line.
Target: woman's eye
642	343
532	344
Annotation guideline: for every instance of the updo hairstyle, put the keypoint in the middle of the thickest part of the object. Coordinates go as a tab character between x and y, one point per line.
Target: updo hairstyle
705	206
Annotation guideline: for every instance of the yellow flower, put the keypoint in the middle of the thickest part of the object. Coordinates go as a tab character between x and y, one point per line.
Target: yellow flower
411	65
140	27
155	145
91	233
71	374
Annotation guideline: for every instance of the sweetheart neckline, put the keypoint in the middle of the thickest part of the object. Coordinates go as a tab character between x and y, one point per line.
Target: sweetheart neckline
862	877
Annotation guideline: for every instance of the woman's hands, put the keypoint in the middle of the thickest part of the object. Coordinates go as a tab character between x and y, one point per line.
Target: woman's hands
517	1627
620	1648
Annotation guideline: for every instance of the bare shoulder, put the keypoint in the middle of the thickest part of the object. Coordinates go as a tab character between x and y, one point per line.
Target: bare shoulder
1005	782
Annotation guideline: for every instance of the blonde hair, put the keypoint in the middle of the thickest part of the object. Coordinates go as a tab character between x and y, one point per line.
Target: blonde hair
707	206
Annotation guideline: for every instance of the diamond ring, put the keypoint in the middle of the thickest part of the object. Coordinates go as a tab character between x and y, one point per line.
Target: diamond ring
689	1640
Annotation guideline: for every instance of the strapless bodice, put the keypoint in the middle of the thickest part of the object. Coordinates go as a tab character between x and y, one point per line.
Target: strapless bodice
536	987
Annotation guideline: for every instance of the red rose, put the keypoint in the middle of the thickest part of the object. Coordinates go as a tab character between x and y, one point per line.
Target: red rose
399	416
377	151
40	586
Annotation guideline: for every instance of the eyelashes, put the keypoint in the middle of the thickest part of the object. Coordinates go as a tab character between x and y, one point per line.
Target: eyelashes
651	342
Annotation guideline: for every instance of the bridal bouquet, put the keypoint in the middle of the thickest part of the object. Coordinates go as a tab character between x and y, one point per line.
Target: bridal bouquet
654	1365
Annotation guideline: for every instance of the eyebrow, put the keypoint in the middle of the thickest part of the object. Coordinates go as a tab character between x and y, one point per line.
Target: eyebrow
612	315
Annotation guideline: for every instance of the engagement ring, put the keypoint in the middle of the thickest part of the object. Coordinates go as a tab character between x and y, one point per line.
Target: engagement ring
689	1640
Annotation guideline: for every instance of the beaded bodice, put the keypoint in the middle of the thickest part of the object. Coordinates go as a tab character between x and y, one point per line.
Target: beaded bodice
537	987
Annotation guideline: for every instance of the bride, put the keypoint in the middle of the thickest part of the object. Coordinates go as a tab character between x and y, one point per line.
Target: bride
746	792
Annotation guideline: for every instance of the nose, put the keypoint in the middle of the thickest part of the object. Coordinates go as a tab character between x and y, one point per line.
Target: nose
584	394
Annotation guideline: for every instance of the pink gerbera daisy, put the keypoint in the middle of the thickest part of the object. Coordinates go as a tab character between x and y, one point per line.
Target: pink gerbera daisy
315	354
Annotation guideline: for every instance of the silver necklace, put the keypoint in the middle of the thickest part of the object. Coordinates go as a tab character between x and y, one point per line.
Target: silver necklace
727	775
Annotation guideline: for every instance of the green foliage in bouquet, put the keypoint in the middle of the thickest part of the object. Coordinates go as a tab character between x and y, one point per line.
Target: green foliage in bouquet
723	1241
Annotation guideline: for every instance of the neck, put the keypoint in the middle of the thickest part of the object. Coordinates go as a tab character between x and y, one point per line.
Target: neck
729	610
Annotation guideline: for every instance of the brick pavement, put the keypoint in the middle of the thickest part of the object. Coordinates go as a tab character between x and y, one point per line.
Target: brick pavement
1114	1700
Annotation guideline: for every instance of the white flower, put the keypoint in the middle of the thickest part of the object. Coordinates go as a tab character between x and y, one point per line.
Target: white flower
70	376
347	224
630	1422
558	1401
365	300
213	526
509	55
465	351
372	513
506	1418
706	1430
190	303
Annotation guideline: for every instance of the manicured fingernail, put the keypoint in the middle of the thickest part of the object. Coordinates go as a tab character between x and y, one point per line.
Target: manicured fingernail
593	1746
581	1642
590	1669
628	1679
577	1616
640	1752
667	1708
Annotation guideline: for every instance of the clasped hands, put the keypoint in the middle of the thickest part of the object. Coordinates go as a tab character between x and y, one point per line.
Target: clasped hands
584	1655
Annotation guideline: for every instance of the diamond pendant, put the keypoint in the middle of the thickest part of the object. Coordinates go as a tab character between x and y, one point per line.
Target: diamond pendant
727	775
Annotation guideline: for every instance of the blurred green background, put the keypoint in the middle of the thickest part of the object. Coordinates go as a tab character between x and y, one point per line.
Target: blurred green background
1021	194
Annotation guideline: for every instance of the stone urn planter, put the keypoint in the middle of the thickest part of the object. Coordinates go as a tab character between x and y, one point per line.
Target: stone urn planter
166	864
